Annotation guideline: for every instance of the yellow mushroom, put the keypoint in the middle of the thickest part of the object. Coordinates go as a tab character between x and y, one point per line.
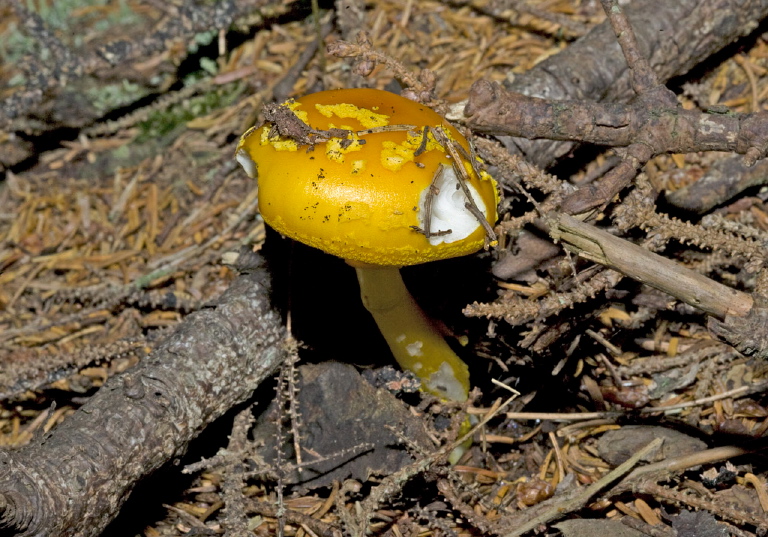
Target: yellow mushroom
382	195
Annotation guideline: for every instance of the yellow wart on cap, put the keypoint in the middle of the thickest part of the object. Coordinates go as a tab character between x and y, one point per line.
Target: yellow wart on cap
336	148
278	142
394	156
367	118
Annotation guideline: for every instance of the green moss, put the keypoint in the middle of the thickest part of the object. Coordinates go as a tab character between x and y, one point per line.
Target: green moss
111	96
164	122
202	39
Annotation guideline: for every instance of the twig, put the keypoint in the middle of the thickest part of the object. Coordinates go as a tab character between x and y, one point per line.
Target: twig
721	509
393	483
741	391
643	78
649	268
502	12
418	88
463	178
291	516
428	201
738	318
558	507
235	519
284	87
648	127
726	179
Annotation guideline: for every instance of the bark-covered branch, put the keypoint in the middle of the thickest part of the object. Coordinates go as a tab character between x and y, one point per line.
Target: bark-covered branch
45	76
673	36
726	179
494	110
655	123
648	127
74	480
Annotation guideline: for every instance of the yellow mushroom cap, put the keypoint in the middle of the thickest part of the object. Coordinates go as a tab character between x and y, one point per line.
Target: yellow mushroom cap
363	197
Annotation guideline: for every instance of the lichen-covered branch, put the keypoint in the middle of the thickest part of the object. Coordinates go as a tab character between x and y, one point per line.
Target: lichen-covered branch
74	480
47	74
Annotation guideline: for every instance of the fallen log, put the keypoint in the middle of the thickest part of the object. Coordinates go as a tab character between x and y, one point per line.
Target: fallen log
73	480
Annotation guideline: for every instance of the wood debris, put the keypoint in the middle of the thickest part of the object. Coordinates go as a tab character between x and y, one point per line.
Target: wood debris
119	202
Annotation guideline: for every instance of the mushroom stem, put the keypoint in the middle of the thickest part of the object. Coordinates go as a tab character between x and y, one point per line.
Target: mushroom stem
414	340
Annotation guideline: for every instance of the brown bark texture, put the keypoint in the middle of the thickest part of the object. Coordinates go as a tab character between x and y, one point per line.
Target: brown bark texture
674	36
726	179
494	110
74	480
747	333
651	125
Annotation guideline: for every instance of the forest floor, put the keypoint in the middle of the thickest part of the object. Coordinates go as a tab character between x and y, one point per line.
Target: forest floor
121	198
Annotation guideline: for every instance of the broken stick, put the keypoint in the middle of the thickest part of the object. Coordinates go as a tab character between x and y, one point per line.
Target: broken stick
737	317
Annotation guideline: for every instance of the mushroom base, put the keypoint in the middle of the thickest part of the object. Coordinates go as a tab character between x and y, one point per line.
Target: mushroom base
415	342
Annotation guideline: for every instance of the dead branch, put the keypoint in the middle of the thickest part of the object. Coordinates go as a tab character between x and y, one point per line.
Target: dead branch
419	88
518	12
74	480
647	128
646	267
638	210
654	124
669	35
739	318
494	110
645	480
726	179
64	65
